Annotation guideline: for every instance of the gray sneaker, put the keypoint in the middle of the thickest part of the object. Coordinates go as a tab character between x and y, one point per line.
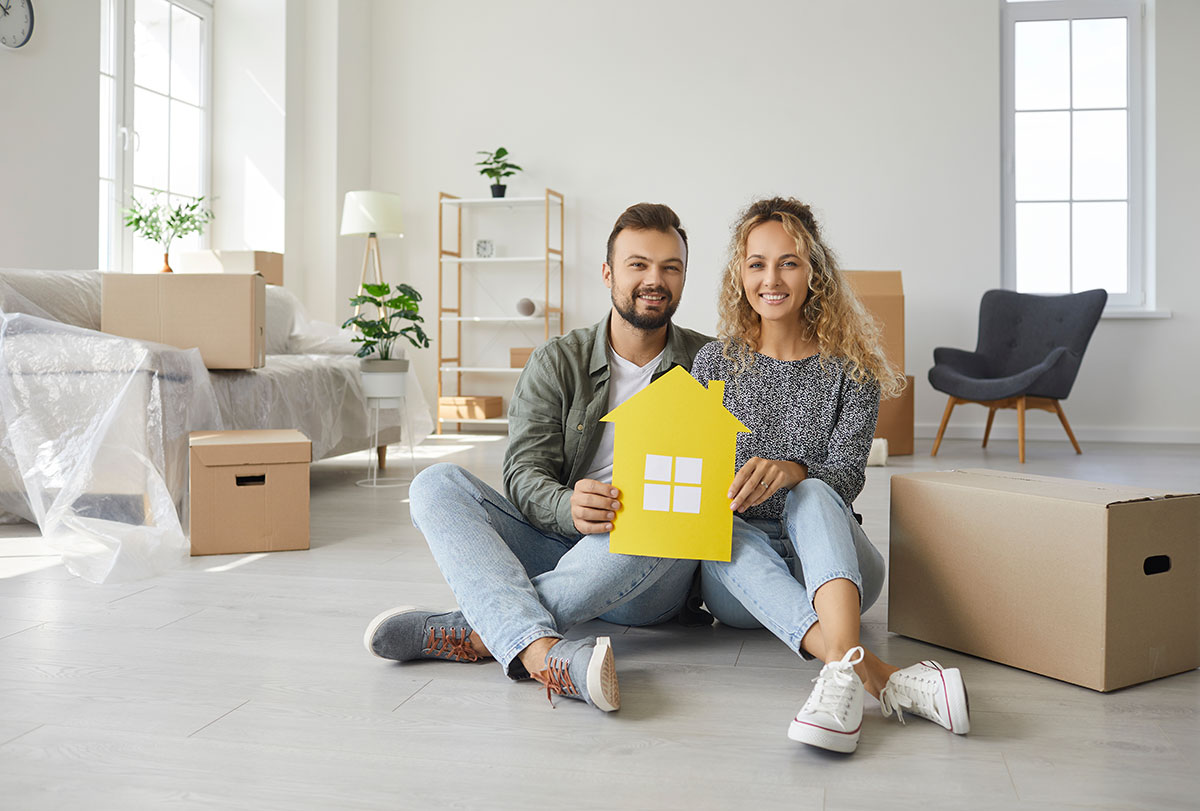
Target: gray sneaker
582	669
407	633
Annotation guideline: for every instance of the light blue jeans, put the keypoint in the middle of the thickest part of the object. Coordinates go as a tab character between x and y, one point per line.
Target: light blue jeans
776	566
515	583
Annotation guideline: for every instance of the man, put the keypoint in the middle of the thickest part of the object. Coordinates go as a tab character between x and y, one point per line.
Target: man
527	568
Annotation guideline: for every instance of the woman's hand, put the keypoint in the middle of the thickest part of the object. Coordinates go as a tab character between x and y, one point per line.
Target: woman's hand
759	479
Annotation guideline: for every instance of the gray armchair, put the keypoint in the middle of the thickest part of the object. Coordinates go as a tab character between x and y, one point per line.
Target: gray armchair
1027	356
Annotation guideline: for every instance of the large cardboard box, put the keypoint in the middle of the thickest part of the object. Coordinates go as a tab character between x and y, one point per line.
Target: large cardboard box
882	293
1093	584
267	263
896	421
223	315
470	408
249	491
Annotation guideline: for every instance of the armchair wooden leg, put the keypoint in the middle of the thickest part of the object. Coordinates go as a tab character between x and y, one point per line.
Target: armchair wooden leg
937	443
382	452
1021	428
1063	419
988	430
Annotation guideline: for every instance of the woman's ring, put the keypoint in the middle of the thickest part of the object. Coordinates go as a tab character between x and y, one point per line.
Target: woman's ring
763	483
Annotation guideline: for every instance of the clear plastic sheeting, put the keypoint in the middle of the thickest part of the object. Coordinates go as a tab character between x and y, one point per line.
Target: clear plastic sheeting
94	443
93	427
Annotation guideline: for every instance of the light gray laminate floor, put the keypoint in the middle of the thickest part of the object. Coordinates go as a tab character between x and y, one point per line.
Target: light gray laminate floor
241	682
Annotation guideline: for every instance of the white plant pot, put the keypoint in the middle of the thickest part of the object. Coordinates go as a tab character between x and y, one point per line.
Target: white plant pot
385	380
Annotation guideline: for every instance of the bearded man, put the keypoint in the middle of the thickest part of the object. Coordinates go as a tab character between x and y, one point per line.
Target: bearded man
528	567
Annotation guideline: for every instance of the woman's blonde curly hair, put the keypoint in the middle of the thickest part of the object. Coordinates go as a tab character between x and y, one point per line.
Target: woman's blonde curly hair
832	315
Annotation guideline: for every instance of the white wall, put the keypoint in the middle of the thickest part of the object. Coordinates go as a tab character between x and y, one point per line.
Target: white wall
249	89
49	163
883	115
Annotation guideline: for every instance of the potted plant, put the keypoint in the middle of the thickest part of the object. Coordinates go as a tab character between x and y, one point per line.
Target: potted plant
383	375
497	168
161	222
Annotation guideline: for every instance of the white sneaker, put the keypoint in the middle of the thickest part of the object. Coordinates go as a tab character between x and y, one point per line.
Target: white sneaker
930	691
832	716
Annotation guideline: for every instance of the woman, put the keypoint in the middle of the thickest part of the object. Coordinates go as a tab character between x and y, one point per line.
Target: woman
804	372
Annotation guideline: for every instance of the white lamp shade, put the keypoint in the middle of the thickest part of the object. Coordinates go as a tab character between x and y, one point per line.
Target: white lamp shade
372	212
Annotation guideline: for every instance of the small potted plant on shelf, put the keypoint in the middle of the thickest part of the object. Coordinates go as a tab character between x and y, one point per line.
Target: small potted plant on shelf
383	375
497	168
161	222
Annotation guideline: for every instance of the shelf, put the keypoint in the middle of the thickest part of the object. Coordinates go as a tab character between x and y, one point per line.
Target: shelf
499	202
501	318
485	369
490	421
497	260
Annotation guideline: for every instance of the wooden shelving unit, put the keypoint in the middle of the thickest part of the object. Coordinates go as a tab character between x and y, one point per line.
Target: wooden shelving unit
452	264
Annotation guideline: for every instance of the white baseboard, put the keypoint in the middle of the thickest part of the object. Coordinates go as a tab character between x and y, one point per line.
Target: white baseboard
1055	432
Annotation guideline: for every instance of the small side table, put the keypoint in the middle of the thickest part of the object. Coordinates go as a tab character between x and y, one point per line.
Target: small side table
374	406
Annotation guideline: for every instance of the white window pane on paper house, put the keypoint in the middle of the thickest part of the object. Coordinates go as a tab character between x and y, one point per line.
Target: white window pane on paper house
151	44
1100	248
656	497
1100	151
1043	256
185	149
1043	156
185	55
150	121
658	468
1099	63
1042	65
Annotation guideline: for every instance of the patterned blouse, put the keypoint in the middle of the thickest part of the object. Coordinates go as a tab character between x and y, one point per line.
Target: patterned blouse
800	412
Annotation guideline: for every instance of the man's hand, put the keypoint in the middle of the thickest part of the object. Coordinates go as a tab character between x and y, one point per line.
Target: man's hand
593	506
759	479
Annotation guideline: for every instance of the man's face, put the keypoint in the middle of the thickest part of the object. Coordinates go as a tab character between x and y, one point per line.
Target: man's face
646	277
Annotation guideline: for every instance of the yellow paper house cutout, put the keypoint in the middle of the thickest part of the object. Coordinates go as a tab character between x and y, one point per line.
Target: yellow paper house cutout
673	461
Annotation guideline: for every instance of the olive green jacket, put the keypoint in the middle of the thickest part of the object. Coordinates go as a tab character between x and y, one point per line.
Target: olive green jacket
554	419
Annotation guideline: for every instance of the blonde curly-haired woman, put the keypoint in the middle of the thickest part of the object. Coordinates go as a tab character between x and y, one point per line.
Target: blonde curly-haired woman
805	373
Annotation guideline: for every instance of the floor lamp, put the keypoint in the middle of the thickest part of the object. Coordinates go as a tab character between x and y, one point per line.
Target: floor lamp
374	214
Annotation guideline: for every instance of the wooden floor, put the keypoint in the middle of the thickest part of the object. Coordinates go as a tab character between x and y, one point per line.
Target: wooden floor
241	682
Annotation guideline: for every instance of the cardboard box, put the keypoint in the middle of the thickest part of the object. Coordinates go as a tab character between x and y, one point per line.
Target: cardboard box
267	263
470	408
896	421
249	491
518	356
882	293
223	315
1093	584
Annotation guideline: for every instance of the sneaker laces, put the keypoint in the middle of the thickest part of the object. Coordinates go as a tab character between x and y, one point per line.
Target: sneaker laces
905	691
835	687
557	679
451	643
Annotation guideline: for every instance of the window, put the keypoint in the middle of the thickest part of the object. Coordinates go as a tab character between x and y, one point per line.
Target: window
154	117
1074	213
669	484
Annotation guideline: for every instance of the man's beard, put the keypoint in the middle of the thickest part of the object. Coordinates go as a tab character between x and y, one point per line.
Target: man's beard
650	321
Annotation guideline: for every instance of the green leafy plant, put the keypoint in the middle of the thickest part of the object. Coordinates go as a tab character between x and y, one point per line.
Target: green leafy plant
161	222
381	332
495	166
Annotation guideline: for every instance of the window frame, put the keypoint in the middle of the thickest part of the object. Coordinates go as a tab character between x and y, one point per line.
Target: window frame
123	138
1139	269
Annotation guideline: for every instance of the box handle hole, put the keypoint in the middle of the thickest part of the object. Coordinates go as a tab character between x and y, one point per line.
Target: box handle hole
1157	564
250	481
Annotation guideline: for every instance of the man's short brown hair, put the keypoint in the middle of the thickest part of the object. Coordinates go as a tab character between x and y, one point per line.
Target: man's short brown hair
647	217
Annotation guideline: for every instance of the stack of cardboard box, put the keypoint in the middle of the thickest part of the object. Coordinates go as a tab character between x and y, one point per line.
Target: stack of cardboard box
882	293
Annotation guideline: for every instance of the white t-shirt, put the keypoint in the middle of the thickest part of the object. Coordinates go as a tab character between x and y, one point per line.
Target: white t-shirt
625	380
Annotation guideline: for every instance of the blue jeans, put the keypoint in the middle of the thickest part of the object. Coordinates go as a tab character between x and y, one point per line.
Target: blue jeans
516	584
776	566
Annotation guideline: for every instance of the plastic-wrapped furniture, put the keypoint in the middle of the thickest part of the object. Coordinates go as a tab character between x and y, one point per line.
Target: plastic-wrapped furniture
93	427
1027	356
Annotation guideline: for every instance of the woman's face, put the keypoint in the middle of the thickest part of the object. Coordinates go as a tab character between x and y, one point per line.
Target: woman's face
774	276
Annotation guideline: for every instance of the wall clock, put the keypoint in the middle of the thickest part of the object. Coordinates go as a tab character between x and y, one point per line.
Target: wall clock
16	22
